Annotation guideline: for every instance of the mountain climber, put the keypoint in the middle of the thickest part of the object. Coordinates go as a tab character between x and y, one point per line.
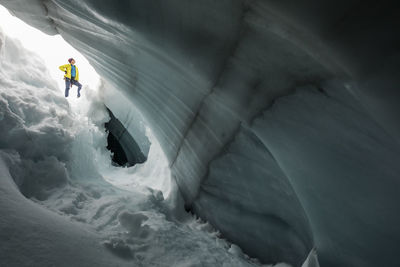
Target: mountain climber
71	76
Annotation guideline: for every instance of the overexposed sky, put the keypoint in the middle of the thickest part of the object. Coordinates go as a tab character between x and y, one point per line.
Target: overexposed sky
53	49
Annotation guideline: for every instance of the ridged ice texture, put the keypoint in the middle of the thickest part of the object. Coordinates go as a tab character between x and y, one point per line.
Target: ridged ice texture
266	163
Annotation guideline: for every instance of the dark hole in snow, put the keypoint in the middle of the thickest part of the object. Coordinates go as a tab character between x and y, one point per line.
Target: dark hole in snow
118	153
188	208
125	150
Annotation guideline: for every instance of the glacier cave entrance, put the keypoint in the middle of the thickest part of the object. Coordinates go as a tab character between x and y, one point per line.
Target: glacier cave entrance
53	50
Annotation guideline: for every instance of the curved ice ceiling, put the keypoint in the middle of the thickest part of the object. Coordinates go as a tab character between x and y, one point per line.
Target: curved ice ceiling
279	119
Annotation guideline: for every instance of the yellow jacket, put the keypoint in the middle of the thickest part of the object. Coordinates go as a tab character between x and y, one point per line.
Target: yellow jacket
67	68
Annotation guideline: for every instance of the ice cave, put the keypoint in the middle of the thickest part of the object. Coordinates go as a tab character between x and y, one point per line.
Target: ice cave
223	133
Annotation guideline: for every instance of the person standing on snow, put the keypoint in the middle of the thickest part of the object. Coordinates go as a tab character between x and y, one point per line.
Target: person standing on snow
71	76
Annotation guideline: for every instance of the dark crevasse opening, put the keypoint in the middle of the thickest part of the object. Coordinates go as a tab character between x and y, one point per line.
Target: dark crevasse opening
118	155
124	148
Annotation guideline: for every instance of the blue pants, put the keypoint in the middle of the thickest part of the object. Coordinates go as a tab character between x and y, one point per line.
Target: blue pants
69	83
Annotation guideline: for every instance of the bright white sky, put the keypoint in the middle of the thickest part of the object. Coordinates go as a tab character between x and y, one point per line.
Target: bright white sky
53	50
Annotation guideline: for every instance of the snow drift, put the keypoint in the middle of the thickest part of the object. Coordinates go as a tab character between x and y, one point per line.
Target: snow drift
279	121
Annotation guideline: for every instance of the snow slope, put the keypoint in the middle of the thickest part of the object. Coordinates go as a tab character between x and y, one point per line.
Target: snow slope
279	120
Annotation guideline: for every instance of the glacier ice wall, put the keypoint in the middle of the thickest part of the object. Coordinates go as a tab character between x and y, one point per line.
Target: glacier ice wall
279	119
